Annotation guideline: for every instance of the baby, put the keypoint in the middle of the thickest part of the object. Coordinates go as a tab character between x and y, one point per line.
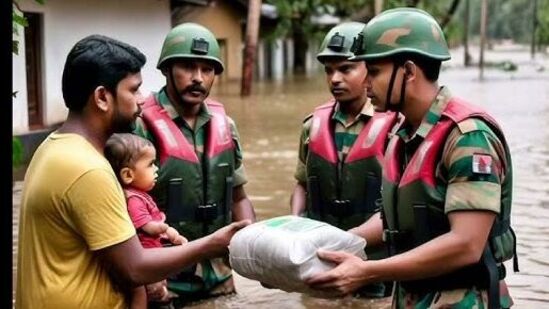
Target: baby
133	161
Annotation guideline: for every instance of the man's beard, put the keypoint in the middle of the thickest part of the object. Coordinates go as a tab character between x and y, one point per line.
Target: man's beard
122	124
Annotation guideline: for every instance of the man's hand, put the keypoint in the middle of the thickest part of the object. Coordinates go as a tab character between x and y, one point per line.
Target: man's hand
220	239
345	278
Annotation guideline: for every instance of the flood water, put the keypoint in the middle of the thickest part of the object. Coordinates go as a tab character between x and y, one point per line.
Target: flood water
269	124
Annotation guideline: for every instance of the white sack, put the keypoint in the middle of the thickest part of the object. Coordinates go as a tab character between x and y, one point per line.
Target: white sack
281	251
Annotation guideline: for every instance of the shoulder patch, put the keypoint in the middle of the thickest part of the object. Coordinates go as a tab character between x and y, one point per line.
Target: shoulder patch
473	124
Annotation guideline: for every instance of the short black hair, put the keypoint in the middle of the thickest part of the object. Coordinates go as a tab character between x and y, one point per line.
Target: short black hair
97	60
429	66
123	150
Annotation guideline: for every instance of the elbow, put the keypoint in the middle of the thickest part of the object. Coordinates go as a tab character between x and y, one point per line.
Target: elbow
472	252
126	278
131	274
135	278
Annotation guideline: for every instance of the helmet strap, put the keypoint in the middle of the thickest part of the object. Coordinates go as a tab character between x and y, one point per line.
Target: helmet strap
176	91
396	107
402	91
388	105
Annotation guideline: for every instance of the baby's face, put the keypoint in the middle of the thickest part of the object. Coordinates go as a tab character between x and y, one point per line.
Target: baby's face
144	170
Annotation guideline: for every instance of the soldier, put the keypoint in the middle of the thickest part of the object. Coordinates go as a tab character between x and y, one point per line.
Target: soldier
446	183
201	177
339	168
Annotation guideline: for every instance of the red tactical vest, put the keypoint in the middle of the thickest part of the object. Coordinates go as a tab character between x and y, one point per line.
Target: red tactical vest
344	193
413	204
172	143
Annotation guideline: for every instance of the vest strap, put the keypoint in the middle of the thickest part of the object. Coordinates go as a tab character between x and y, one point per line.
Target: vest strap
207	213
515	256
493	275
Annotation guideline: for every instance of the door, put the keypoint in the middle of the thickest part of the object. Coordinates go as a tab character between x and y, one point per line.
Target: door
33	57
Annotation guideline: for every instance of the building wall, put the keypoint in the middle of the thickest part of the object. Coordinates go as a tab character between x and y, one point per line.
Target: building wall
141	23
19	80
225	23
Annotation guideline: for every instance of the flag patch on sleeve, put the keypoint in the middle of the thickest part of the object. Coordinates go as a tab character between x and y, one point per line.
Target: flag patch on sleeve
482	164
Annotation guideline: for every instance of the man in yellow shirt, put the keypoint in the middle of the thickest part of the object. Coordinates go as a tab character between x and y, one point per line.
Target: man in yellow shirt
77	245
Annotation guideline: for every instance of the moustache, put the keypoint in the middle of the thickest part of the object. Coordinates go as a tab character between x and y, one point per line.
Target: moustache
194	88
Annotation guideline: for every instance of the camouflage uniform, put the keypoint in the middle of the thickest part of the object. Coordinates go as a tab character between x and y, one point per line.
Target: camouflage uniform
457	159
219	267
345	136
339	161
464	191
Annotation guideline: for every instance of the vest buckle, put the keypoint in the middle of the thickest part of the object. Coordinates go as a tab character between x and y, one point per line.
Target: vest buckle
391	236
340	208
206	212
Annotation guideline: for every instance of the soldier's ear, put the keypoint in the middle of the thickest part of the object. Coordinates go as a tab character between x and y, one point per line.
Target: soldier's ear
126	175
410	71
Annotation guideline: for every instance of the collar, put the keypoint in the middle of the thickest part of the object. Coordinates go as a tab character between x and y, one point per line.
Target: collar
366	113
203	116
431	117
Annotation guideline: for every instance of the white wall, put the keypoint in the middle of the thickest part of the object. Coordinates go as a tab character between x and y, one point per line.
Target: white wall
19	79
142	23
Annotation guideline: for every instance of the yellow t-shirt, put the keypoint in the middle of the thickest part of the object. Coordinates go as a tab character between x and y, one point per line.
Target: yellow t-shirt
72	205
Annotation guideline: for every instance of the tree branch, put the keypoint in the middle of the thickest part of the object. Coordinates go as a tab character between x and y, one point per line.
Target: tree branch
446	19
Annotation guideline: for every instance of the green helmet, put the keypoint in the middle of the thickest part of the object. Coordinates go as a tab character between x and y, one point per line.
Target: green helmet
402	30
191	41
339	40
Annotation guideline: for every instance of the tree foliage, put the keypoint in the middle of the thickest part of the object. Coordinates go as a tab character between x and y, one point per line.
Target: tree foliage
508	19
295	18
543	23
18	20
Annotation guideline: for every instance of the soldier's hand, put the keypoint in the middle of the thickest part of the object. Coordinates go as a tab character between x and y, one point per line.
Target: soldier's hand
355	231
345	278
219	240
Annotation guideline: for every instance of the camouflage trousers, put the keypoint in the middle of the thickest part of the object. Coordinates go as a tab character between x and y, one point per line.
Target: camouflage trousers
471	298
206	279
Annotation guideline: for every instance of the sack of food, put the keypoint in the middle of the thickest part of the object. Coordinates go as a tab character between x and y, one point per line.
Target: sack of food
282	251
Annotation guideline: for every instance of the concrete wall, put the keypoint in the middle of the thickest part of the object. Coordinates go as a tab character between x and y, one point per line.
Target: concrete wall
142	23
225	23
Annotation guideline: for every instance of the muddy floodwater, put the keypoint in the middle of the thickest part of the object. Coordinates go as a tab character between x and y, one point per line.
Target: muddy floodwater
269	124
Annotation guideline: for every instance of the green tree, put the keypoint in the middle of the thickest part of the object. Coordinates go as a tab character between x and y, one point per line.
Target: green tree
295	18
512	19
295	21
18	21
543	23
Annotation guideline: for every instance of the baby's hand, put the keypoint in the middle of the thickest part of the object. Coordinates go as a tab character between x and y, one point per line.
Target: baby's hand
179	240
158	292
174	236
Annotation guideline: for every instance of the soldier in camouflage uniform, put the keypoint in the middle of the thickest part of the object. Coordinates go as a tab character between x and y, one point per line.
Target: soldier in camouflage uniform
201	176
339	168
447	180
